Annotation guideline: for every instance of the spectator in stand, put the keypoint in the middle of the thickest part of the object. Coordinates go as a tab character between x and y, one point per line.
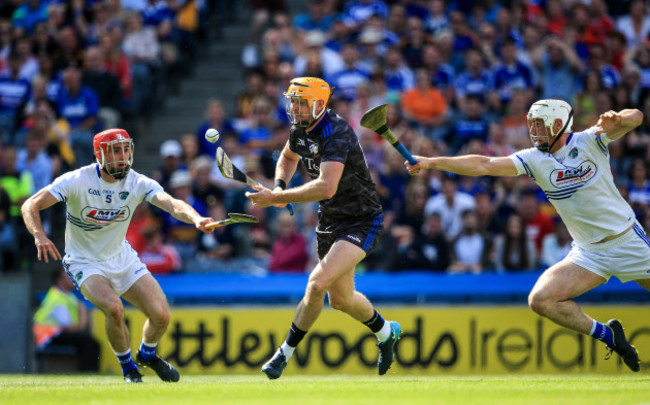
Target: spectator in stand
425	105
433	245
556	246
514	120
28	63
357	12
159	257
469	124
413	42
635	25
189	148
489	223
318	17
142	218
34	159
639	187
559	67
470	249
354	73
513	251
397	75
254	86
511	74
450	204
105	85
203	187
19	184
437	18
14	95
584	102
412	212
556	16
538	224
142	48
257	133
442	75
62	320
215	117
216	249
117	63
25	18
170	154
314	42
474	80
498	144
79	106
610	77
289	249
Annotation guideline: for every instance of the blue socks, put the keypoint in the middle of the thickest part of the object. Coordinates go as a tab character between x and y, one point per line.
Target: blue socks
603	333
148	350
126	361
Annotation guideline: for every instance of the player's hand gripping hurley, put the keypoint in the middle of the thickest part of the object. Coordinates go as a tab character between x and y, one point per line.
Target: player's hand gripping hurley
233	218
375	120
232	172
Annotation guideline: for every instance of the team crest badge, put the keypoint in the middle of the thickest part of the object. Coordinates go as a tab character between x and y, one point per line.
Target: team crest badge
313	148
79	275
573	153
123	195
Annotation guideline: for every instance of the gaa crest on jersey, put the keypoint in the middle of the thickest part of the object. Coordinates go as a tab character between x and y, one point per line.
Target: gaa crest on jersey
567	176
123	195
573	153
103	216
313	148
79	276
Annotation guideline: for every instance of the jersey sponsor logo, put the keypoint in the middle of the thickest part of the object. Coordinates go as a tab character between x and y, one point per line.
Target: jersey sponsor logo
103	216
572	175
354	238
123	195
94	191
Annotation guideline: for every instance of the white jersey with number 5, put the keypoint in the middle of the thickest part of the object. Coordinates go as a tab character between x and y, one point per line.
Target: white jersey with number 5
578	181
98	213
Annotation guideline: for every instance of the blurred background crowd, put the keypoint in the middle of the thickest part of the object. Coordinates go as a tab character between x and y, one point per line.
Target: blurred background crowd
458	75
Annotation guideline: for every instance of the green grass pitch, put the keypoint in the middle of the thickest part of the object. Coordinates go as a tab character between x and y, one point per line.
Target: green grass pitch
328	389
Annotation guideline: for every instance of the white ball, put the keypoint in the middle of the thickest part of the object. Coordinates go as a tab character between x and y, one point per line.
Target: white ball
212	135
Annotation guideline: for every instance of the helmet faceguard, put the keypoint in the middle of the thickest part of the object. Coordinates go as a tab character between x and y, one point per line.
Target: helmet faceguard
118	144
546	112
305	92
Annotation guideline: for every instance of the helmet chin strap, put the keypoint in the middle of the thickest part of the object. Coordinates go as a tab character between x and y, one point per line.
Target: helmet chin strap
547	149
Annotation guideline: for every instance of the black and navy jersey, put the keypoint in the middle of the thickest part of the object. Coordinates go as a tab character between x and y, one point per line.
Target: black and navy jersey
333	140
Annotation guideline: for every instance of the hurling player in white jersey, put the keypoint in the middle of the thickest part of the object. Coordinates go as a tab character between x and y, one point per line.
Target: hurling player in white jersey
100	199
573	170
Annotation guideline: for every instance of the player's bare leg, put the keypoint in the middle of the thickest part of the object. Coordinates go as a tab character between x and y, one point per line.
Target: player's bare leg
340	260
552	297
98	290
146	295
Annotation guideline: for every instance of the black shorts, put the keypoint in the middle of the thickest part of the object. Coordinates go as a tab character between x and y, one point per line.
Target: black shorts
363	232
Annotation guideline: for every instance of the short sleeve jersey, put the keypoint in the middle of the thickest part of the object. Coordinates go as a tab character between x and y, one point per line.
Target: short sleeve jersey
333	140
578	181
98	213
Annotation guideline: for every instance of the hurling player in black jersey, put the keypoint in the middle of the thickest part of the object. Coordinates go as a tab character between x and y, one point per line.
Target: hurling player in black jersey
349	215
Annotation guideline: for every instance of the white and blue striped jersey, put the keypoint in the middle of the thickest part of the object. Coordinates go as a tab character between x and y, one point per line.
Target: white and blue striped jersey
98	213
578	181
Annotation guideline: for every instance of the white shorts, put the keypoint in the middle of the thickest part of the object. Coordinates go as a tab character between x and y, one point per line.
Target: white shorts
626	257
122	270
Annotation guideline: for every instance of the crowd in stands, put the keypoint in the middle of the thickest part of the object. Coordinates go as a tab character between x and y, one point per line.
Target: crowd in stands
69	69
458	76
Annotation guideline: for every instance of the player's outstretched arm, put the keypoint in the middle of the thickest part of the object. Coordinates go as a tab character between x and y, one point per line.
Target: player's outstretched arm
287	164
182	211
322	188
31	216
468	165
616	124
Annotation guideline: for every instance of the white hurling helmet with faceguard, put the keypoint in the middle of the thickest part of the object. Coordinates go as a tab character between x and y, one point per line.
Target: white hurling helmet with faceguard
549	111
